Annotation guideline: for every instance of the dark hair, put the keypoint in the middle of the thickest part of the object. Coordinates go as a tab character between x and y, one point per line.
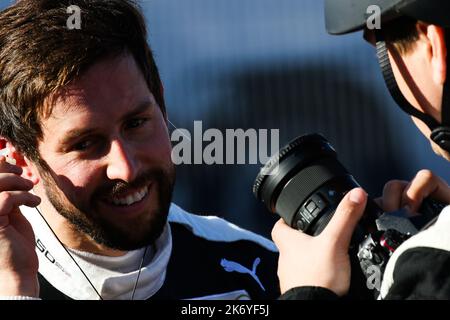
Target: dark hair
402	33
40	55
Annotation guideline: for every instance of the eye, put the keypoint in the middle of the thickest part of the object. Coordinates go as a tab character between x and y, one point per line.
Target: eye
135	123
83	145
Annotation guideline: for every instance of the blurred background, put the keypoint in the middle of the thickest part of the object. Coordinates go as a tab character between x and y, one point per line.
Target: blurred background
269	64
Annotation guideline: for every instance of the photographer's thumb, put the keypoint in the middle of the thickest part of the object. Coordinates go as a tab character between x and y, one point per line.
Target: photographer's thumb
350	210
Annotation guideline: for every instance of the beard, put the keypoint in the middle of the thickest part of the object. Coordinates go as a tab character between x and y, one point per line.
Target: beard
135	233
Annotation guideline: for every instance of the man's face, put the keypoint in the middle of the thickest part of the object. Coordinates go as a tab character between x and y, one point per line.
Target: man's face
107	146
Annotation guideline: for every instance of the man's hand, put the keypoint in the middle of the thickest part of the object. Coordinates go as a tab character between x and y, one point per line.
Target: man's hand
399	194
18	259
321	261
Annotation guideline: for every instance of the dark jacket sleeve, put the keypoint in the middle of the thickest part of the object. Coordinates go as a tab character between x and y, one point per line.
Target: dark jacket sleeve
309	293
421	273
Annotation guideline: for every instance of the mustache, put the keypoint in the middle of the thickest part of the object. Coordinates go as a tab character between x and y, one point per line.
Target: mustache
118	187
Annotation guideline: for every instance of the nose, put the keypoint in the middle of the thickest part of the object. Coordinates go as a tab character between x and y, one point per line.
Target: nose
122	164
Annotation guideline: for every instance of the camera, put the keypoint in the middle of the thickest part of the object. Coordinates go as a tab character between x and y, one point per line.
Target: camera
305	182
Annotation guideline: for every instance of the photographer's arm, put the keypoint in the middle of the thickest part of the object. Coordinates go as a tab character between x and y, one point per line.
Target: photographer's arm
310	267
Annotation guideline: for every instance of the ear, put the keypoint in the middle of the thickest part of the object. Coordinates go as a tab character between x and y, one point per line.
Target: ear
438	53
29	170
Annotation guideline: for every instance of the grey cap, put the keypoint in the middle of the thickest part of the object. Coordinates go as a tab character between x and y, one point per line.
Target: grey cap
345	16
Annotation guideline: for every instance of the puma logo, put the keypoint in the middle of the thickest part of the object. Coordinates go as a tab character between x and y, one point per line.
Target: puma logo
231	266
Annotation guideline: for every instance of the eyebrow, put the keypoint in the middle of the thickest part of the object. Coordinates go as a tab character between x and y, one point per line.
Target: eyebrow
77	133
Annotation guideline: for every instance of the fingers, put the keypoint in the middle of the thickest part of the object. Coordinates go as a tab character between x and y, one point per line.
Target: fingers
341	227
6	167
425	184
10	181
399	194
13	191
10	200
392	195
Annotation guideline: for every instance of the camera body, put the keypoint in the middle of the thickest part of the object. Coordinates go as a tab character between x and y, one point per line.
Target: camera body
305	182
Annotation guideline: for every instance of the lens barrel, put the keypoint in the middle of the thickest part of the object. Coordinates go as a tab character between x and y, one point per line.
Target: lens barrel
304	183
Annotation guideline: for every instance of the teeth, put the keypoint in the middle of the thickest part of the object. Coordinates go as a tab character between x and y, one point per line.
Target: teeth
130	199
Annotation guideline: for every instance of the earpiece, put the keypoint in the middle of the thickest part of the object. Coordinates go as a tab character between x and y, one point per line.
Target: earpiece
6	153
441	136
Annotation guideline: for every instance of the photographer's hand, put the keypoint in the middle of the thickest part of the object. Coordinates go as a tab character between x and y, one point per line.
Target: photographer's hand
321	261
399	194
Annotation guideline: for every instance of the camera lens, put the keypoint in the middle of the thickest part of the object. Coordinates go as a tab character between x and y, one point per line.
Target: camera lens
304	183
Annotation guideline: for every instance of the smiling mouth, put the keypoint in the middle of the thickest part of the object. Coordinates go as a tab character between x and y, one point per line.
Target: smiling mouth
129	199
